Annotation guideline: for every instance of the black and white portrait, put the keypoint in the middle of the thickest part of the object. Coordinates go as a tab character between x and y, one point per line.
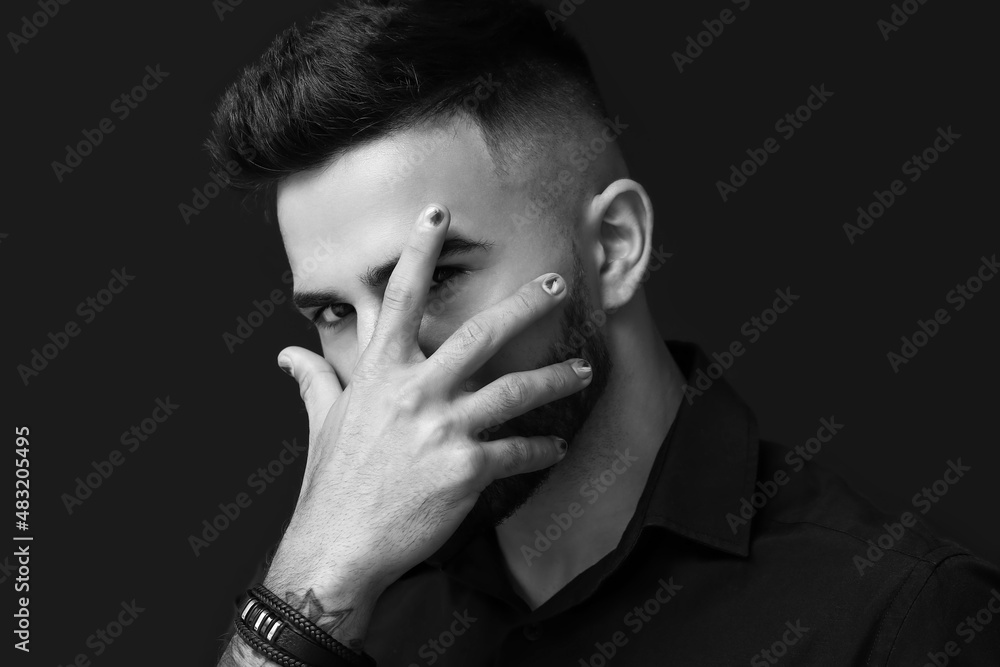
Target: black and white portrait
502	333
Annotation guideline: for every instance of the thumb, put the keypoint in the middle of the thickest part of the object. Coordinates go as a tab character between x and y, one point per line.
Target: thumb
319	386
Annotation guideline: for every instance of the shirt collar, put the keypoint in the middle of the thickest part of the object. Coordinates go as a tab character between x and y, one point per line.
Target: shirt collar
705	466
707	463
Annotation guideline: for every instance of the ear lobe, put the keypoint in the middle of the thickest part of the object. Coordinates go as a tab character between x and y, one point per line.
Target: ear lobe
626	233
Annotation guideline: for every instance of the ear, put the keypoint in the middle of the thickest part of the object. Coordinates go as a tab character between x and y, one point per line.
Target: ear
624	216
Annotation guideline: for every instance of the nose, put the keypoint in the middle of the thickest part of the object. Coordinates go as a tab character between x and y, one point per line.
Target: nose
367	319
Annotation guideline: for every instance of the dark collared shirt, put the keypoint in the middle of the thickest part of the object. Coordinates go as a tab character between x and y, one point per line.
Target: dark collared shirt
740	552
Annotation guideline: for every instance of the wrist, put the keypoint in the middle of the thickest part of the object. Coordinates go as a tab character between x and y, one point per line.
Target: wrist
289	635
338	601
330	588
333	579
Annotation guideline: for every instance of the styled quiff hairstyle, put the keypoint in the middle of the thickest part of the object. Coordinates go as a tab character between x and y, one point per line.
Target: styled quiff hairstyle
366	69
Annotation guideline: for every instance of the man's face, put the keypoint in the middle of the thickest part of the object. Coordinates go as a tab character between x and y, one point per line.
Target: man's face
344	226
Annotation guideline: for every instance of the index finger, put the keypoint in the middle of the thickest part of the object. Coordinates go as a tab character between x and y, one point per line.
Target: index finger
406	292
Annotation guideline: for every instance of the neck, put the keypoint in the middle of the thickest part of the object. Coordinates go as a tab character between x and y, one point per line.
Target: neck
583	508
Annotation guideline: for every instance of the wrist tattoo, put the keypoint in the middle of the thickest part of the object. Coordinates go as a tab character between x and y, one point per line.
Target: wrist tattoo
309	606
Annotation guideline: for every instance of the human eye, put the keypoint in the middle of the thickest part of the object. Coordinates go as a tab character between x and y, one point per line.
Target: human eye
332	316
443	275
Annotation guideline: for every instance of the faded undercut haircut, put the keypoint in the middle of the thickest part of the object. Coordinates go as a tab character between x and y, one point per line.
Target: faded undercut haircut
367	69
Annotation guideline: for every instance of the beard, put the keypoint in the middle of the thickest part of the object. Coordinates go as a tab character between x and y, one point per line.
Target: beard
563	417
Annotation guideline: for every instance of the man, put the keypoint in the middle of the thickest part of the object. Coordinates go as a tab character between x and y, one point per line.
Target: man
507	464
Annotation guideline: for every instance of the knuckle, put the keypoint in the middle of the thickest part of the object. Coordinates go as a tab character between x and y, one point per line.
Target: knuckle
305	387
515	392
364	373
555	382
398	296
522	301
516	454
475	334
406	397
468	465
389	344
416	245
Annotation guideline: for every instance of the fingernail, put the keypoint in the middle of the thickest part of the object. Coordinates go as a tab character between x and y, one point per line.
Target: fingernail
582	367
435	216
553	285
561	445
285	365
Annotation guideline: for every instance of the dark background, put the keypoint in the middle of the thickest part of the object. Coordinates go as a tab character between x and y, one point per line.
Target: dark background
162	336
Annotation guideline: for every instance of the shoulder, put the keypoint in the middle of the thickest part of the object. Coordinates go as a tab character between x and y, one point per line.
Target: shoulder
808	498
925	591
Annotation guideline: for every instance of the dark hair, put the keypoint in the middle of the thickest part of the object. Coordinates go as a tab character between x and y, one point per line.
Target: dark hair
366	69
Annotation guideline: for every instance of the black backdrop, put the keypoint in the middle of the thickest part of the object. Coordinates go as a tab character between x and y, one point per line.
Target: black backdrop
162	336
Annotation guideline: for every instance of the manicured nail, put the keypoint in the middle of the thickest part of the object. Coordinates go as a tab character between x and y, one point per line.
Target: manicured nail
285	365
553	284
561	445
435	216
582	368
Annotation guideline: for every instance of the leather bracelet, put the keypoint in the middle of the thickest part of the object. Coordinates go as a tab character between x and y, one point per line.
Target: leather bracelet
274	631
263	648
310	629
286	637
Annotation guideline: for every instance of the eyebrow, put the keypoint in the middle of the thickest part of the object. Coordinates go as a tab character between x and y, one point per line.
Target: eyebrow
377	276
